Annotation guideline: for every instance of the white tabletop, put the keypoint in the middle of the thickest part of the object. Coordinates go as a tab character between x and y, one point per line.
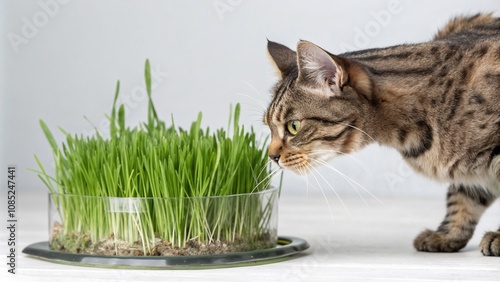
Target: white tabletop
365	240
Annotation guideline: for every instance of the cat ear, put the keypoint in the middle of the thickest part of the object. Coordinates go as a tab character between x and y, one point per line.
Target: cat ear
318	69
283	57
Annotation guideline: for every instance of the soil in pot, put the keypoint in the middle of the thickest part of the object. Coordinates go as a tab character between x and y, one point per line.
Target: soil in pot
81	243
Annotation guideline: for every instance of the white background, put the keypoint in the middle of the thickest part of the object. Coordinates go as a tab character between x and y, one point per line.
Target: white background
61	60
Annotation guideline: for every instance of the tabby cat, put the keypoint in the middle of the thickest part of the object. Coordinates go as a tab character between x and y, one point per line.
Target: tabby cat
437	103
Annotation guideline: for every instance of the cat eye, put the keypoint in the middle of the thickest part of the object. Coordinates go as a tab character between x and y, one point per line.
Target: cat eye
293	127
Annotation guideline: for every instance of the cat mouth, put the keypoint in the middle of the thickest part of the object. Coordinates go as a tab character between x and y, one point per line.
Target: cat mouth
303	163
299	163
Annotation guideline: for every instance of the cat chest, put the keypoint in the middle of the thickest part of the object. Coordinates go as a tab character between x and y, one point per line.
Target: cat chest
429	166
462	172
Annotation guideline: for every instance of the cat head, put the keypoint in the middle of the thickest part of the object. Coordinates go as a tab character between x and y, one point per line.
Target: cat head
318	106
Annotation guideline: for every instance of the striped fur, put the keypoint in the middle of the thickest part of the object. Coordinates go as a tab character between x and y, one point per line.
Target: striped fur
437	103
465	205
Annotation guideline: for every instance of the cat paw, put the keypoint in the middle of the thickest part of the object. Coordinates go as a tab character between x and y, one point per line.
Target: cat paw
490	245
435	241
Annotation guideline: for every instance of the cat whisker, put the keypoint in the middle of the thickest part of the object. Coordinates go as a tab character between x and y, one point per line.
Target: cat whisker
359	129
256	110
256	92
319	152
350	181
334	191
307	170
266	166
347	179
303	173
257	113
260	106
270	179
267	179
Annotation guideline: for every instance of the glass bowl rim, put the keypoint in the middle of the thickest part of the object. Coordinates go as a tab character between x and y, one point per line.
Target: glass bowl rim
271	189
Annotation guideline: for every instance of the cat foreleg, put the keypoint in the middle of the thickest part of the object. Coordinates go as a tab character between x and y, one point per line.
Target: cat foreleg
465	205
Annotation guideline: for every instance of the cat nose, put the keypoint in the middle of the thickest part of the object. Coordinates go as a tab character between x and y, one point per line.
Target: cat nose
274	157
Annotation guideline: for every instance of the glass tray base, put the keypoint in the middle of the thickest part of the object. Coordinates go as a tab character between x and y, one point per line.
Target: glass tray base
286	247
